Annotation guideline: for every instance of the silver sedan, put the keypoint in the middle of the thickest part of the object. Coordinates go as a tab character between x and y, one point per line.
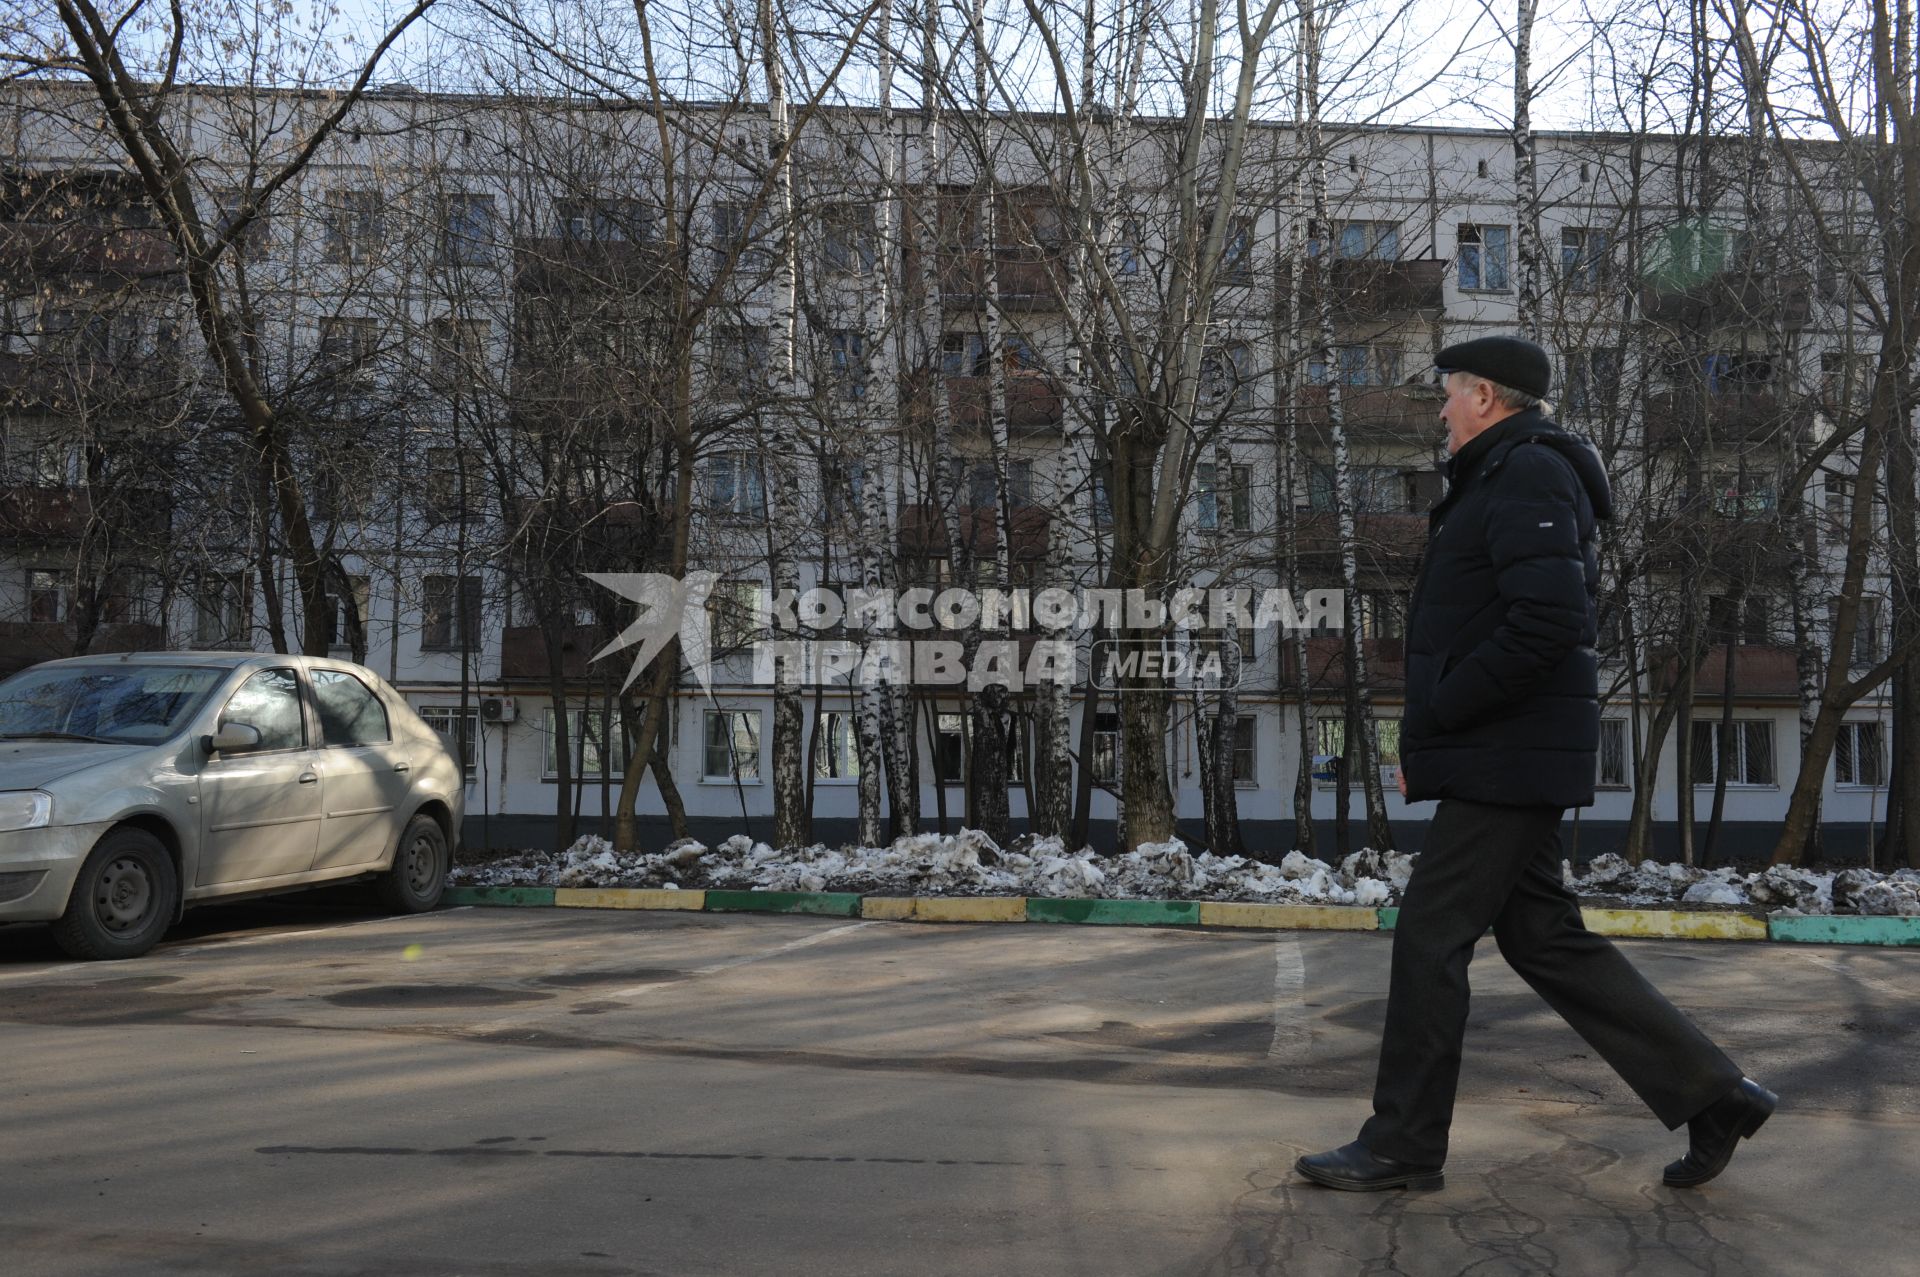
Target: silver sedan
133	786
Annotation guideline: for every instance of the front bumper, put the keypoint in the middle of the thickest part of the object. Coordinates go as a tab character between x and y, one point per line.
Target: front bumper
38	866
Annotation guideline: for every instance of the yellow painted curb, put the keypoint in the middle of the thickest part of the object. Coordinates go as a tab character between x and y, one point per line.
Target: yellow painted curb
945	909
1674	925
1241	913
627	898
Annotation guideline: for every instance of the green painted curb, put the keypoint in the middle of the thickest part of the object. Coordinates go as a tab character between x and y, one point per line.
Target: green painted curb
1849	929
834	904
497	896
1138	913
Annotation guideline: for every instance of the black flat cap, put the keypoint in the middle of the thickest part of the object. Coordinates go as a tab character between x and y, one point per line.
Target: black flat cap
1511	361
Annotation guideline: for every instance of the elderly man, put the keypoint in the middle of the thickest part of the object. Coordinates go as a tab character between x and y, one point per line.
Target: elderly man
1502	726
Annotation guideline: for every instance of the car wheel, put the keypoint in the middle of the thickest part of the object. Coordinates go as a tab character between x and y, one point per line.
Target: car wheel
124	899
419	872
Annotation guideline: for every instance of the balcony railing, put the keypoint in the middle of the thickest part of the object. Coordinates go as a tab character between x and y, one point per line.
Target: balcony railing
1728	416
1386	660
43	251
1033	401
1375	412
1363	288
923	532
1739	298
1759	669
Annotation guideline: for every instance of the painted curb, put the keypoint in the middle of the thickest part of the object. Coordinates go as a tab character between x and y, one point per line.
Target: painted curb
1644	924
1125	913
945	908
1242	913
833	904
1849	929
627	898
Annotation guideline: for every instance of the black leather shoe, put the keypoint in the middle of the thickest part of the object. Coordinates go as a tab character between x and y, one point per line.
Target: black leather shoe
1356	1168
1714	1132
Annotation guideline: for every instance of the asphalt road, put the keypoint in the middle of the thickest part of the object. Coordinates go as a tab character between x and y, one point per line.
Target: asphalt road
309	1088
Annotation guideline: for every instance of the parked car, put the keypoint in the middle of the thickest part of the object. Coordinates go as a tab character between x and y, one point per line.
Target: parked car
134	786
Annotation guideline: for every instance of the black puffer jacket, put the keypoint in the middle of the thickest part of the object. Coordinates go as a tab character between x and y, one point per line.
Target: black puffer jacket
1502	677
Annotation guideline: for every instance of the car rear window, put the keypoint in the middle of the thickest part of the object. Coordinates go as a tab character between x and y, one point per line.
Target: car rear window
350	714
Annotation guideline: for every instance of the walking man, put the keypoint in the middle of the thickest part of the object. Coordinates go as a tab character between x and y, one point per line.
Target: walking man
1502	726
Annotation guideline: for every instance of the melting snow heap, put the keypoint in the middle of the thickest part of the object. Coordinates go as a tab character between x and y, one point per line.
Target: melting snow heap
971	864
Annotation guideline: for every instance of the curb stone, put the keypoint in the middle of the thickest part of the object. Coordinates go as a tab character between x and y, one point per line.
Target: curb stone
1657	924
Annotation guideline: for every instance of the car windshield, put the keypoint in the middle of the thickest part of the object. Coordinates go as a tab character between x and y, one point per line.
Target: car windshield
120	704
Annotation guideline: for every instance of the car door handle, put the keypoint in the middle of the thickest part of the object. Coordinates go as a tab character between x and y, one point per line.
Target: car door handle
308	778
403	767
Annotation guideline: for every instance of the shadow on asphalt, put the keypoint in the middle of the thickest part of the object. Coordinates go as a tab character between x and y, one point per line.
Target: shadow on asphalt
24	943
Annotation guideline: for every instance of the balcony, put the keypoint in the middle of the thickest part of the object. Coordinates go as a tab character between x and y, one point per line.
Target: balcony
1034	404
42	515
40	252
523	651
1384	541
923	533
1730	299
24	643
1367	289
1409	414
1758	670
1386	660
1697	416
560	267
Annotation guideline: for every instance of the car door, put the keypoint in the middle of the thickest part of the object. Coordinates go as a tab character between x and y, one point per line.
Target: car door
368	771
260	808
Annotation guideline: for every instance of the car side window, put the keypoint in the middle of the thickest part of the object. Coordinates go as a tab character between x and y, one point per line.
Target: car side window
350	714
269	702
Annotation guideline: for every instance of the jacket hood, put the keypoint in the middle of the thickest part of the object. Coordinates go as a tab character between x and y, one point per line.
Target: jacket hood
1581	454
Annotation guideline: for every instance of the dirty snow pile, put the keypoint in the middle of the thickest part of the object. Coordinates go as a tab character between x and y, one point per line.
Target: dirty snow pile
1782	890
964	864
971	864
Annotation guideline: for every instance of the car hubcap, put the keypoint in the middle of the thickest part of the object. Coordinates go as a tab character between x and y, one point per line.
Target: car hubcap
422	861
123	895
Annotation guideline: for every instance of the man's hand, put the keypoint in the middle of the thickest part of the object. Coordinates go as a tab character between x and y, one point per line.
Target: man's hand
1400	774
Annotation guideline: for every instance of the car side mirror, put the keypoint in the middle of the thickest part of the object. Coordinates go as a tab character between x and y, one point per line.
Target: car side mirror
233	738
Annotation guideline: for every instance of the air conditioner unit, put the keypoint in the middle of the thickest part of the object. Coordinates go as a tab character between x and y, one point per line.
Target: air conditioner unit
498	709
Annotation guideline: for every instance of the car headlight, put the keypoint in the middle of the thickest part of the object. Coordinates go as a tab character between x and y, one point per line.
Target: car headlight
25	809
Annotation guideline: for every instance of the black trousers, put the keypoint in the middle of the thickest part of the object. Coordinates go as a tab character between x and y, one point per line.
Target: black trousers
1500	866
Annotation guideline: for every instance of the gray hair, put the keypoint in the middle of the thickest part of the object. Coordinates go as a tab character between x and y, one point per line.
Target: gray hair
1505	396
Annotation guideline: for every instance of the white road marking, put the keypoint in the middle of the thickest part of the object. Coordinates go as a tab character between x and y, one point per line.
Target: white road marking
1292	1038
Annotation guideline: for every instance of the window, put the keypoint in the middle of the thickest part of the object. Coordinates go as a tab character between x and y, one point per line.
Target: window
38	462
1857	756
605	220
1332	739
844	481
460	736
1867	649
1585	258
963	355
1106	747
134	597
1732	619
1612	762
732	746
1483	257
46	595
1243	739
269	702
849	243
1236	250
1383	614
459	347
1743	494
949	748
252	243
355	227
848	349
1239	497
453	482
734	239
739	359
1226	375
1839	501
587	733
350	714
1101	501
347	348
443	626
1376	489
1731	372
983	492
1833	278
734	612
836	748
1127	251
220	610
1745	751
1356	365
360	599
733	485
1356	241
1592	380
467	237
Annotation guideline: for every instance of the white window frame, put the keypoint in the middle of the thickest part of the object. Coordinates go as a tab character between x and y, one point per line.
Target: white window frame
1850	731
756	742
1740	735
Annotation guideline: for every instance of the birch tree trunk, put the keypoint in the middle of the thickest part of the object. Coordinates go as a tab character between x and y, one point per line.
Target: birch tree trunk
1526	183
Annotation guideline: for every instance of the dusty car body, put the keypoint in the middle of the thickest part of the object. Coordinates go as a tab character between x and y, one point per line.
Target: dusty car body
133	786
